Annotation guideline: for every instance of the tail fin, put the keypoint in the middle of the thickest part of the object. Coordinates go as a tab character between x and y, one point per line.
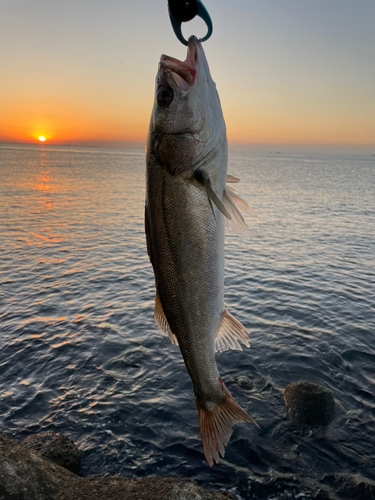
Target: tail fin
216	426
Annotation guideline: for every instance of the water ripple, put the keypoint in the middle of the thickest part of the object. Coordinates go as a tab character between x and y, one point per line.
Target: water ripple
80	353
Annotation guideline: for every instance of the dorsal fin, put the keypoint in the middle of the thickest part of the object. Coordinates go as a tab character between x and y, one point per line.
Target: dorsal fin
231	333
162	321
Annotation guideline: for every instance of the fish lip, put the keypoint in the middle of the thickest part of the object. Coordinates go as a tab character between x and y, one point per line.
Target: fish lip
187	69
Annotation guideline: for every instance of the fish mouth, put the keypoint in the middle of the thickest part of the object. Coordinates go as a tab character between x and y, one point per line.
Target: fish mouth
183	72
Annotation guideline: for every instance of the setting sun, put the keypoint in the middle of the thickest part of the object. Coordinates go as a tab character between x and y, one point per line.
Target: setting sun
42	139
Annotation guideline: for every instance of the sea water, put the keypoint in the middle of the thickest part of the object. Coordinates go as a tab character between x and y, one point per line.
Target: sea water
80	353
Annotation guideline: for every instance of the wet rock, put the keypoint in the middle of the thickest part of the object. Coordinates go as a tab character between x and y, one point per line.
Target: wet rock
244	382
351	486
26	475
60	449
309	404
152	488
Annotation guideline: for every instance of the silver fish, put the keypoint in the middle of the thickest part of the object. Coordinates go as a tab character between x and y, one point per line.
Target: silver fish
187	201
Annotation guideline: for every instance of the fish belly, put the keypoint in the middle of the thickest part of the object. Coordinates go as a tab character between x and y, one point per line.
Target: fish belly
187	254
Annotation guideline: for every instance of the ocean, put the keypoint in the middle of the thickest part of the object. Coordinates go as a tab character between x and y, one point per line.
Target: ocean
80	353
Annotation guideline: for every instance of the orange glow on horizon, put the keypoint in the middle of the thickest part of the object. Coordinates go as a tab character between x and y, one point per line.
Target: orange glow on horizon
78	122
66	122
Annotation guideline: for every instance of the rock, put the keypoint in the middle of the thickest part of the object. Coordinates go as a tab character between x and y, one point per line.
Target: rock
244	382
351	486
60	449
26	475
309	404
151	488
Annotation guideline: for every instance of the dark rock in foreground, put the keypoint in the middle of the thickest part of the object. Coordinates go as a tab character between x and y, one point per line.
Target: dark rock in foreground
151	488
25	475
60	449
309	404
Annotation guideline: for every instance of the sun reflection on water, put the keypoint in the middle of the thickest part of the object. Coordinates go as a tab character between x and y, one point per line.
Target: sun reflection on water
44	181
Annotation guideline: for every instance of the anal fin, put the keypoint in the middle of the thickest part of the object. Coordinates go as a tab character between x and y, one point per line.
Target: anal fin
162	321
231	334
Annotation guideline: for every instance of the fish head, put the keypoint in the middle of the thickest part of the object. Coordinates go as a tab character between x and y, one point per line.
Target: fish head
187	122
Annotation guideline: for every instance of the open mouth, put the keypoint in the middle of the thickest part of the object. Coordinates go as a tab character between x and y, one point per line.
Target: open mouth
183	72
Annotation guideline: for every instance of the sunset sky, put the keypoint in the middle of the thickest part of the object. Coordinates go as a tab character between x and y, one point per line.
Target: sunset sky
287	71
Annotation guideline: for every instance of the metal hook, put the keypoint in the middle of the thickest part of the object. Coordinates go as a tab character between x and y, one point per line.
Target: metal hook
181	11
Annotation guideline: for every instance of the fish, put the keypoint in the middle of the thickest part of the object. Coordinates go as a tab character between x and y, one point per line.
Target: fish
188	205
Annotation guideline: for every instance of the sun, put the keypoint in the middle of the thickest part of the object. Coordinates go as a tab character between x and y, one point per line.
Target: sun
42	139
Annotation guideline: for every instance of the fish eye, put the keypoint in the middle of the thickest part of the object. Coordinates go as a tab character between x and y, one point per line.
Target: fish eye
164	96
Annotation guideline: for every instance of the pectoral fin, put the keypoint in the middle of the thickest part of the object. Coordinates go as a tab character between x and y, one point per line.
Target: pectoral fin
240	203
231	178
162	321
231	333
203	179
233	203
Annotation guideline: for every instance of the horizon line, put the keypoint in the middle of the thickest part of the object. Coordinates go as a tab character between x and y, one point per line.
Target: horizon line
141	144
